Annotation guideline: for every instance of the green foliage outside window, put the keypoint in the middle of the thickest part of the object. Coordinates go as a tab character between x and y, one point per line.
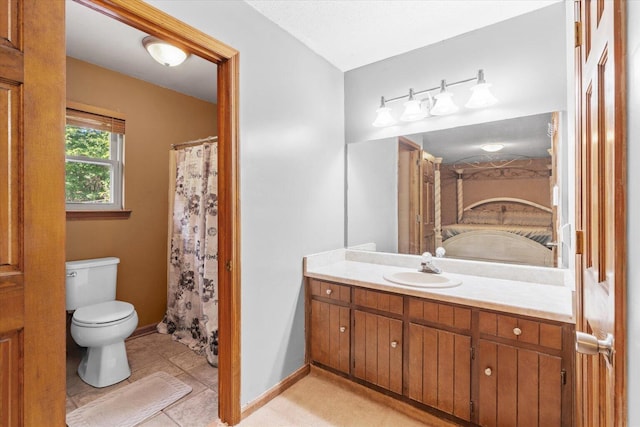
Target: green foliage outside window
87	182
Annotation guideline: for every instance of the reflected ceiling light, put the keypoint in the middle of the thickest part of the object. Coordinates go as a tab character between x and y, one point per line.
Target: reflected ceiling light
413	109
163	52
383	117
444	102
481	96
416	109
492	148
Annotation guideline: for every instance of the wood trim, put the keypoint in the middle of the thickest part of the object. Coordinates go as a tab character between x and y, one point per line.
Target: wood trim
74	105
152	21
43	212
408	144
275	391
143	330
82	215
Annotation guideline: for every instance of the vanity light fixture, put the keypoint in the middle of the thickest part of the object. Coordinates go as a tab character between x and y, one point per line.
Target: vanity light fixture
163	52
383	117
444	102
492	148
417	109
481	95
413	109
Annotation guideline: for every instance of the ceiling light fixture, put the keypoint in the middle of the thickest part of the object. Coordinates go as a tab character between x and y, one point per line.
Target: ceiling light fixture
417	109
163	52
492	148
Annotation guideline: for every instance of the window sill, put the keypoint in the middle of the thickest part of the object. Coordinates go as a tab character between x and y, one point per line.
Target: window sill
80	215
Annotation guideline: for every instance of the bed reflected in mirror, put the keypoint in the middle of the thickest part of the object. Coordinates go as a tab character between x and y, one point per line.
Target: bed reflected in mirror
414	193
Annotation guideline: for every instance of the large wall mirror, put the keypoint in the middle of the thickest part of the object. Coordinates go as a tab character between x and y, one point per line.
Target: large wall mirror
417	185
413	193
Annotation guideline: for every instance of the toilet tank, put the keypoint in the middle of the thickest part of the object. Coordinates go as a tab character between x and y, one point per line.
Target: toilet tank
90	281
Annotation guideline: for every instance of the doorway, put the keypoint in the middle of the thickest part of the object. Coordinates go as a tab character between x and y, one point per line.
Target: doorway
156	23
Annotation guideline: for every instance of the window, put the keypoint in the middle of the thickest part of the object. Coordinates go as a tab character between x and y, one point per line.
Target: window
94	153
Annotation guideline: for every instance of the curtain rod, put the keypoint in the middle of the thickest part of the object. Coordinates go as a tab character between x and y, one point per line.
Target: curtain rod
194	142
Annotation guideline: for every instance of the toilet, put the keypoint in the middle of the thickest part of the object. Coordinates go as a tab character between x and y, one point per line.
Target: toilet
99	322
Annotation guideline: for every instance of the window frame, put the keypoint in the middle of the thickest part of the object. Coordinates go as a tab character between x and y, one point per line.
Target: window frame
115	162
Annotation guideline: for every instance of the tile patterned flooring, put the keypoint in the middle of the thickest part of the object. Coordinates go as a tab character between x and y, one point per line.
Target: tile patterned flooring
148	354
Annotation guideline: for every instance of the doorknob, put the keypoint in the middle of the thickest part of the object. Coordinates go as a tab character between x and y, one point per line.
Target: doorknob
590	344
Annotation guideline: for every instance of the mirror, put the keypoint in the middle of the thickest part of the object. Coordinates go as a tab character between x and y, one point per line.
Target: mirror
413	193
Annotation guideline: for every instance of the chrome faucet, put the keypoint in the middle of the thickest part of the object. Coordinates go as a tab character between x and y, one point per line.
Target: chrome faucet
426	266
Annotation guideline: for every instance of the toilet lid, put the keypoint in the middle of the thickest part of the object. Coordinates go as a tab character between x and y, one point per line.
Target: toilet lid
103	312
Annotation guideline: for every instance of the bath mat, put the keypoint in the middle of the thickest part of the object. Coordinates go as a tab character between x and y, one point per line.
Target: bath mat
130	405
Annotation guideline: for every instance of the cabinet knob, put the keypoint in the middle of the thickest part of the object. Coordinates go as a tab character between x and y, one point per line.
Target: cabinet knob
488	372
343	328
517	332
394	344
329	291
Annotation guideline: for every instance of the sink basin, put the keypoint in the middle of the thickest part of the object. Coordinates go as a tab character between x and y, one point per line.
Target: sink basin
421	280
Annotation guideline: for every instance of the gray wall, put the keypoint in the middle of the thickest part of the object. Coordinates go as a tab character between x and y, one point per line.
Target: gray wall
523	57
372	194
633	213
292	178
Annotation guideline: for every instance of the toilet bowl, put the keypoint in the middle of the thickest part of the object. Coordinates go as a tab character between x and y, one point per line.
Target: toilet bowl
100	322
102	328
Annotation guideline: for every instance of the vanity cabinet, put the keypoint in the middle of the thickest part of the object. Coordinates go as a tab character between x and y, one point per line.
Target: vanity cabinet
523	372
330	332
378	338
480	366
439	363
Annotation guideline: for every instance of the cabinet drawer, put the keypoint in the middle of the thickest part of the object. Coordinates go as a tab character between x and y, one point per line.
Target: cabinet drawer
378	300
330	290
521	330
441	314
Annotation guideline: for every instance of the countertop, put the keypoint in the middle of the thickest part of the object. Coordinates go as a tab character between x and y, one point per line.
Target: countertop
541	300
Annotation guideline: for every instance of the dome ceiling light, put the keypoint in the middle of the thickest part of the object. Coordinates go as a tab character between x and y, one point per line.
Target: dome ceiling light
163	52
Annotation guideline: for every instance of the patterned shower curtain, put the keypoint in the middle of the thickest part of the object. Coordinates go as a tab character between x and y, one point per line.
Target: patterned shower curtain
192	299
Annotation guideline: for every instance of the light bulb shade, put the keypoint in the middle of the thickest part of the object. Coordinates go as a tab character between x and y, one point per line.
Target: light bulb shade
481	96
444	104
163	52
383	118
413	111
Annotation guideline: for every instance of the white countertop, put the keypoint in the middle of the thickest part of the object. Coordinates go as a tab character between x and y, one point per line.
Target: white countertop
542	300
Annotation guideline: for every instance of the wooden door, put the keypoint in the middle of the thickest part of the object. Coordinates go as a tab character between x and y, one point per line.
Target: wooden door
409	197
601	208
518	387
378	350
428	211
439	372
330	332
32	213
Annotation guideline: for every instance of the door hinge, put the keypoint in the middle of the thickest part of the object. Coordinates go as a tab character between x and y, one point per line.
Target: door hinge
473	353
563	377
579	242
578	34
228	265
418	219
471	409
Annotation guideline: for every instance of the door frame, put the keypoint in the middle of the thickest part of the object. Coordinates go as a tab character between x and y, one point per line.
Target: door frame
154	22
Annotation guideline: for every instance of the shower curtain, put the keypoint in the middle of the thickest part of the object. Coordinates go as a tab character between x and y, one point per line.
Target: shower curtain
192	291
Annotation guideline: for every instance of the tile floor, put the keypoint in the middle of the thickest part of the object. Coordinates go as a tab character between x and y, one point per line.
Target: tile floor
148	354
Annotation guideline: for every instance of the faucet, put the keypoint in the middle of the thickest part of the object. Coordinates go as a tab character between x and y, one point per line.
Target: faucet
426	266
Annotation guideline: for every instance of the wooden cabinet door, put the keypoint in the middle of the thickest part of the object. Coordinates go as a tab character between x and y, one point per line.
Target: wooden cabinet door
518	387
378	350
330	335
440	370
32	316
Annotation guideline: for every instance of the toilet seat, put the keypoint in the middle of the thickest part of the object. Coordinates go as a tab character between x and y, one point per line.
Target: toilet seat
103	313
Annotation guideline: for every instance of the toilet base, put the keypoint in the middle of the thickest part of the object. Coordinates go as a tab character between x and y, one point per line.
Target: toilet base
105	366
